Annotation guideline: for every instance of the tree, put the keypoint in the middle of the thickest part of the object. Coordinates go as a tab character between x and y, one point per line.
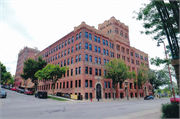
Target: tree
51	72
118	71
30	68
5	76
158	78
142	77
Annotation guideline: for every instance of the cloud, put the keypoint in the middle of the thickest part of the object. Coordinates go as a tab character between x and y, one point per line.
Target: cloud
9	17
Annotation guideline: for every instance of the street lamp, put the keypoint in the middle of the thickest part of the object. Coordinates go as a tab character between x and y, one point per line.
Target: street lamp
98	89
168	67
127	90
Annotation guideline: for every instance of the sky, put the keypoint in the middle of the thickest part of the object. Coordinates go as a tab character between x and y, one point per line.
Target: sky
39	23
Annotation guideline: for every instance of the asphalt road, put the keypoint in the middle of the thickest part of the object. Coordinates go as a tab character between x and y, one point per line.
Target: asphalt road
20	106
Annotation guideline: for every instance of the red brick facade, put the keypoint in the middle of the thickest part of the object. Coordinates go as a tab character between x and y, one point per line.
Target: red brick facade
90	49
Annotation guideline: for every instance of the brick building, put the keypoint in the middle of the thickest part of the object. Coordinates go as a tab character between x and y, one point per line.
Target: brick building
24	54
85	50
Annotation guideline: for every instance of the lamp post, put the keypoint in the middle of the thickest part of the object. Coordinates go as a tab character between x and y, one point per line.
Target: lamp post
168	67
98	89
127	90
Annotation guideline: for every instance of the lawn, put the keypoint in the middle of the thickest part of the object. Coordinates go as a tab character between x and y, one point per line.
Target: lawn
55	98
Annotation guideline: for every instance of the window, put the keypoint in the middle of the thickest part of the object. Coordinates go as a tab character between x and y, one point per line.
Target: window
79	46
95	38
104	61
122	49
95	48
112	46
68	62
71	84
62	54
56	47
76	71
64	62
96	60
90	58
71	72
145	58
62	44
61	63
90	70
104	72
90	47
105	84
121	33
104	51
108	84
86	70
86	57
79	70
63	84
60	85
79	35
69	41
72	39
86	83
86	34
106	43
56	56
131	53
127	51
99	72
86	45
68	50
120	84
103	42
65	53
59	46
80	57
72	49
141	57
86	96
79	83
90	83
71	60
99	40
90	36
67	72
99	50
66	43
76	83
67	84
96	71
107	53
99	60
76	58
132	61
136	55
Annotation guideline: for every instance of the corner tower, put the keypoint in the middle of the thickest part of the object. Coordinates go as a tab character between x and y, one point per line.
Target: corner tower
119	31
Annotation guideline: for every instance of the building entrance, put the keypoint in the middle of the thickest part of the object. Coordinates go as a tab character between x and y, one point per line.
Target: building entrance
98	91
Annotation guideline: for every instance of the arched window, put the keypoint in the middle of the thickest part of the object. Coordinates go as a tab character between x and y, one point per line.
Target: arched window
116	31
118	47
121	33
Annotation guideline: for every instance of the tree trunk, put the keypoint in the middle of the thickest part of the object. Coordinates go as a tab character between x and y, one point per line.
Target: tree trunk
114	94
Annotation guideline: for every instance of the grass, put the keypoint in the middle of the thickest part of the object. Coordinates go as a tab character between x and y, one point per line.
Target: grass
55	98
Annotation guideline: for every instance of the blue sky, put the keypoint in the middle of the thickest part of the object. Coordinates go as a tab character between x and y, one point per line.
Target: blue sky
39	23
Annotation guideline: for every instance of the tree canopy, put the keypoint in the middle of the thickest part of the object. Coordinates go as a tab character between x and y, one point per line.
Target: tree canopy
118	71
5	76
51	72
31	67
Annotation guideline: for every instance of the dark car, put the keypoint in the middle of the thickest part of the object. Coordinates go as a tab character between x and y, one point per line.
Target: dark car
41	94
149	98
21	90
3	93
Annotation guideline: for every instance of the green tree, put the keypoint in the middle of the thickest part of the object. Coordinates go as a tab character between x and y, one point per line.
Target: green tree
158	78
11	80
51	72
118	71
142	77
31	67
5	76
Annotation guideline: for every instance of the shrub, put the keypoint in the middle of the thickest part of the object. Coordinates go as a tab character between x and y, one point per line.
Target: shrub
170	110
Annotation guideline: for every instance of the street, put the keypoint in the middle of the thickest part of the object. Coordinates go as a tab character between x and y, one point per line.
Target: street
20	106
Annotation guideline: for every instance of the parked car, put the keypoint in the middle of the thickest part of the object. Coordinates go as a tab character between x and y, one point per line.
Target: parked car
176	97
150	97
41	94
7	87
17	90
3	93
13	89
28	92
3	86
21	90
